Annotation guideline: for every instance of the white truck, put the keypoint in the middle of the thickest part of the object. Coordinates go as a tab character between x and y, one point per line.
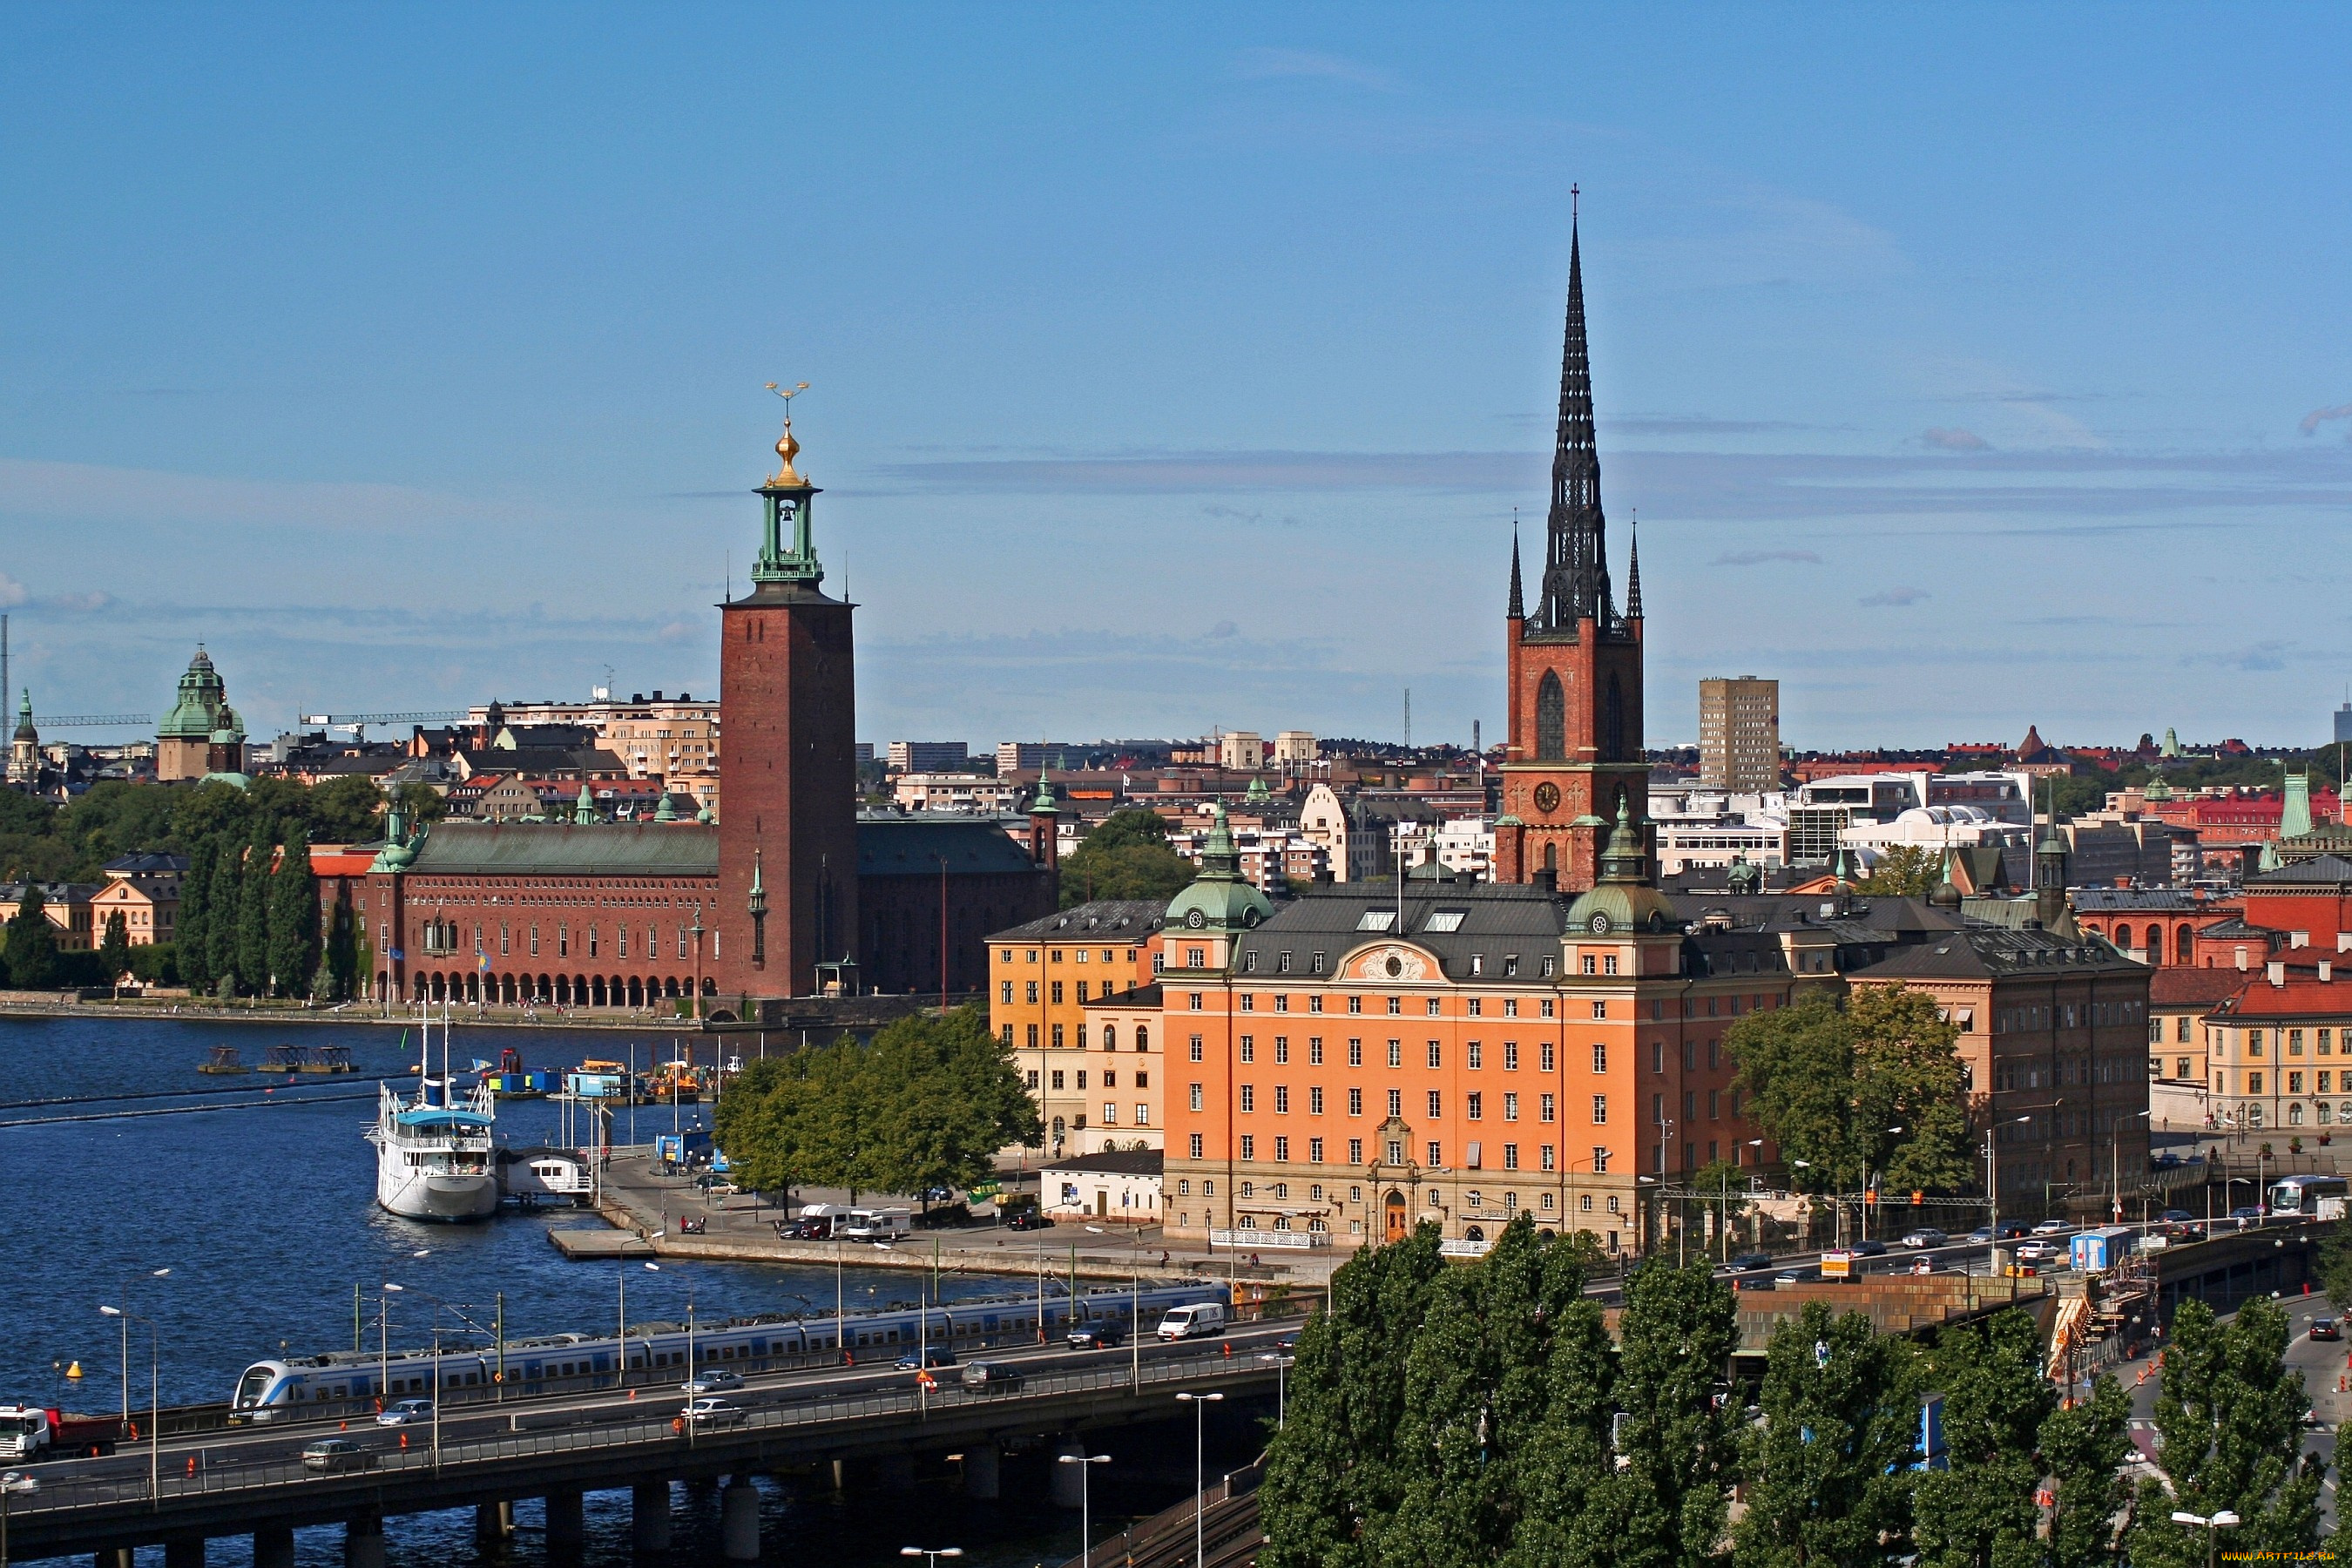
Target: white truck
878	1224
33	1432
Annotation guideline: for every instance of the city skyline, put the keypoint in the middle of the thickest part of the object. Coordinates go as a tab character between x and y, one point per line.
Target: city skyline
1165	381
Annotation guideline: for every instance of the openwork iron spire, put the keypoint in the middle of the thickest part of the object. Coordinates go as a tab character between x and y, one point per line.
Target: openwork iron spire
1576	559
1518	601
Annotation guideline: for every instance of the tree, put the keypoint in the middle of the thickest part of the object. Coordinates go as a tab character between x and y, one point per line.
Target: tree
1337	1470
951	1098
32	942
346	958
114	949
1675	1339
1795	1065
1980	1512
348	810
191	932
294	915
223	903
1126	856
252	914
1828	1469
422	803
2084	1450
1906	870
2229	1420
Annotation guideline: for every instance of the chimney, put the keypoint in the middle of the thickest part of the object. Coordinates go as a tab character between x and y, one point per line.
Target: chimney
2326	969
1549	881
2242	964
2276	970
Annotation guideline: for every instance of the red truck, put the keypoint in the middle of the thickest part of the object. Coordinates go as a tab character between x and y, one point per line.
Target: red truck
34	1432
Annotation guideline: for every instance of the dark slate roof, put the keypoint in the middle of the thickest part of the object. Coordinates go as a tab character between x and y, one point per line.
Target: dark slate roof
2233	929
1994	952
567	849
1498	921
2319	872
147	863
1106	920
1884	919
2133	901
913	846
1141	997
1113	1162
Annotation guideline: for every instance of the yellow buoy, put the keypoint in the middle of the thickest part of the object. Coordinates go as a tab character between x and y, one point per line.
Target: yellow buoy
74	1371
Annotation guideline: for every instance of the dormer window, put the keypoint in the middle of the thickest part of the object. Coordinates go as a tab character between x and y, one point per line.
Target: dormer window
1445	919
1376	920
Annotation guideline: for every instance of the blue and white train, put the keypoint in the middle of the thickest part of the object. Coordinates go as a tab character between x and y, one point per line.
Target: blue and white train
341	1383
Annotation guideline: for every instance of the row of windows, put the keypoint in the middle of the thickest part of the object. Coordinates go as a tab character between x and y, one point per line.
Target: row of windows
1109	1078
1474	1104
2295	1081
447	936
2343	1114
1109	1036
1472	1006
1054	991
2291	1041
1082	954
2067	1016
1546	1156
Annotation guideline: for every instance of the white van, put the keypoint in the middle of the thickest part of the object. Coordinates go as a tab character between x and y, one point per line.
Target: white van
876	1225
1191	1322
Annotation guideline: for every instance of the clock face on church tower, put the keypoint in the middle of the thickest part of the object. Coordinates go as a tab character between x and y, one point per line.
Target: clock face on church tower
1547	797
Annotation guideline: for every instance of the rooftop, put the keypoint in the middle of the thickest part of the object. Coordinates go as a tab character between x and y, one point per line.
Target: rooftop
1105	920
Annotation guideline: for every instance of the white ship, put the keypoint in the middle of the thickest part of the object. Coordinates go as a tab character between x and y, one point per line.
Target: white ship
434	1155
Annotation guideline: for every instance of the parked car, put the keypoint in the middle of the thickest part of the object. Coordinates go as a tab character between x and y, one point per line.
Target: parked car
1753	1282
1802	1274
1867	1248
1926	1235
1980	1237
2039	1250
711	1380
1096	1336
930	1356
714	1412
2326	1328
1028	1219
992	1377
2053	1227
1748	1260
407	1413
2246	1213
333	1454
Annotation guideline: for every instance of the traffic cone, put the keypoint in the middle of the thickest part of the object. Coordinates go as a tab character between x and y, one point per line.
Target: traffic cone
403	1439
192	1466
1229	1350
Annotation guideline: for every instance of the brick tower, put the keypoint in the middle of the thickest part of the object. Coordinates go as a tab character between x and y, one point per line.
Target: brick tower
788	765
1575	665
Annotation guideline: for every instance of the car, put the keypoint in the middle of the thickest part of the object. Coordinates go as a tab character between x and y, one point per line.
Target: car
2189	1232
1028	1219
714	1412
2245	1212
2012	1229
930	1356
1803	1273
1980	1237
2177	1217
1753	1282
2039	1251
1926	1235
992	1377
1750	1260
1867	1248
407	1413
2053	1227
2326	1328
711	1380
334	1453
1095	1336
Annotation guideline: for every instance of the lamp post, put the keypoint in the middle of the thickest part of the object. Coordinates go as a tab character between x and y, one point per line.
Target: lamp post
931	1555
155	1394
1281	1382
1199	1402
1992	1205
2114	1168
2212	1524
1086	1463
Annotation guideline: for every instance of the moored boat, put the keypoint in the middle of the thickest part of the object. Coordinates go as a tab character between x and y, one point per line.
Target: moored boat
435	1153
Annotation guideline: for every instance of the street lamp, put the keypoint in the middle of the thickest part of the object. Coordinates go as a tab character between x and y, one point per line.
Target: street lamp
2211	1524
1086	1463
1281	1379
931	1556
154	1394
2115	1167
1199	1402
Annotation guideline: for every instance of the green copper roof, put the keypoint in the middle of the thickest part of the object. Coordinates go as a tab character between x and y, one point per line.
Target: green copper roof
1221	896
25	730
1623	900
197	712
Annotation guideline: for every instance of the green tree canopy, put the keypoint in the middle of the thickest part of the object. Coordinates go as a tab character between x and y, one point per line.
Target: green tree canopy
32	942
114	948
294	944
1126	856
1828	1467
1904	870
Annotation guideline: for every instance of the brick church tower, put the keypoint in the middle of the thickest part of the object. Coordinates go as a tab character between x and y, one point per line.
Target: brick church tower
788	765
1575	665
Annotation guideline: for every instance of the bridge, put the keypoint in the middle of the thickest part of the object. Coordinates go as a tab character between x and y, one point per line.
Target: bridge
181	1492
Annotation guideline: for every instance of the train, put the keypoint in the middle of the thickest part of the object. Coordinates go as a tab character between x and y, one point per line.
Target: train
342	1382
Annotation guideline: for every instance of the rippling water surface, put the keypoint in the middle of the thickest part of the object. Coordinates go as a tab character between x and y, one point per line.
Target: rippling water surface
262	1209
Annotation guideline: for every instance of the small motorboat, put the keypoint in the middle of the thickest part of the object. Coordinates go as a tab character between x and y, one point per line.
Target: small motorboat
224	1060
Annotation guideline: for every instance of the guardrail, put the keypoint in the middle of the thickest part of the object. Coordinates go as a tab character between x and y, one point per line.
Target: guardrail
424	1462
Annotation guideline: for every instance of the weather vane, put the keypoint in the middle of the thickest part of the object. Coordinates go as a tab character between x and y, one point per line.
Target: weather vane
787	448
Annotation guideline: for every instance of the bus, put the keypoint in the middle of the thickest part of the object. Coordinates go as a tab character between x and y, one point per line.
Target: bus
2299	1197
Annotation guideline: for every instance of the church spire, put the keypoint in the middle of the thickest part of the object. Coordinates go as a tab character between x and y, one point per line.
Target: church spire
1633	571
1518	609
1575	563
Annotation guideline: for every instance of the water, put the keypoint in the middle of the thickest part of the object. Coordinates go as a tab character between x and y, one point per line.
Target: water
266	1219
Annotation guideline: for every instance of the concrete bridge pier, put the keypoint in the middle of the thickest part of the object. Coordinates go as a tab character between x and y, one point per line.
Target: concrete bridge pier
649	1519
980	1473
363	1541
739	1520
273	1546
115	1557
567	1526
494	1521
1066	1479
185	1552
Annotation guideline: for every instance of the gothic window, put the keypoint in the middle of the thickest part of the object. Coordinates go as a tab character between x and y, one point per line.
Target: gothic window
1551	720
1612	724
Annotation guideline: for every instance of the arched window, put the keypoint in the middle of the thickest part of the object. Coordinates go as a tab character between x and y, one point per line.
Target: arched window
1551	720
1613	723
1143	1038
2184	945
2156	944
1551	856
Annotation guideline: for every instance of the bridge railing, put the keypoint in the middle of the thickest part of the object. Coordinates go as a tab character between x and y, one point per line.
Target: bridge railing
421	1460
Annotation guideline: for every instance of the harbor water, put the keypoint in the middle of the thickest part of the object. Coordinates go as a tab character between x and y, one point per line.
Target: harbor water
244	1228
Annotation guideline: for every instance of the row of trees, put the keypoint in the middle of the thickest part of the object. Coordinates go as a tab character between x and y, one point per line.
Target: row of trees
1443	1414
249	921
926	1104
1126	856
52	843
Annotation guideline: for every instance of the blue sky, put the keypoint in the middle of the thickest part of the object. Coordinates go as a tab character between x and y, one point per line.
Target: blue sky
1969	367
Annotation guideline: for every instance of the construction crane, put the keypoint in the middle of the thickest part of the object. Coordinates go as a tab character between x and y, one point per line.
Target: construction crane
358	722
90	721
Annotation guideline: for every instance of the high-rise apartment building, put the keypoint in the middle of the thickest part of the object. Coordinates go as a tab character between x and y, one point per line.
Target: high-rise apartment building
929	756
1739	733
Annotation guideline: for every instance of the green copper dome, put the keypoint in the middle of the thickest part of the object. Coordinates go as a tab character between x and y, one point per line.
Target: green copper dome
202	698
1623	900
25	730
1220	899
